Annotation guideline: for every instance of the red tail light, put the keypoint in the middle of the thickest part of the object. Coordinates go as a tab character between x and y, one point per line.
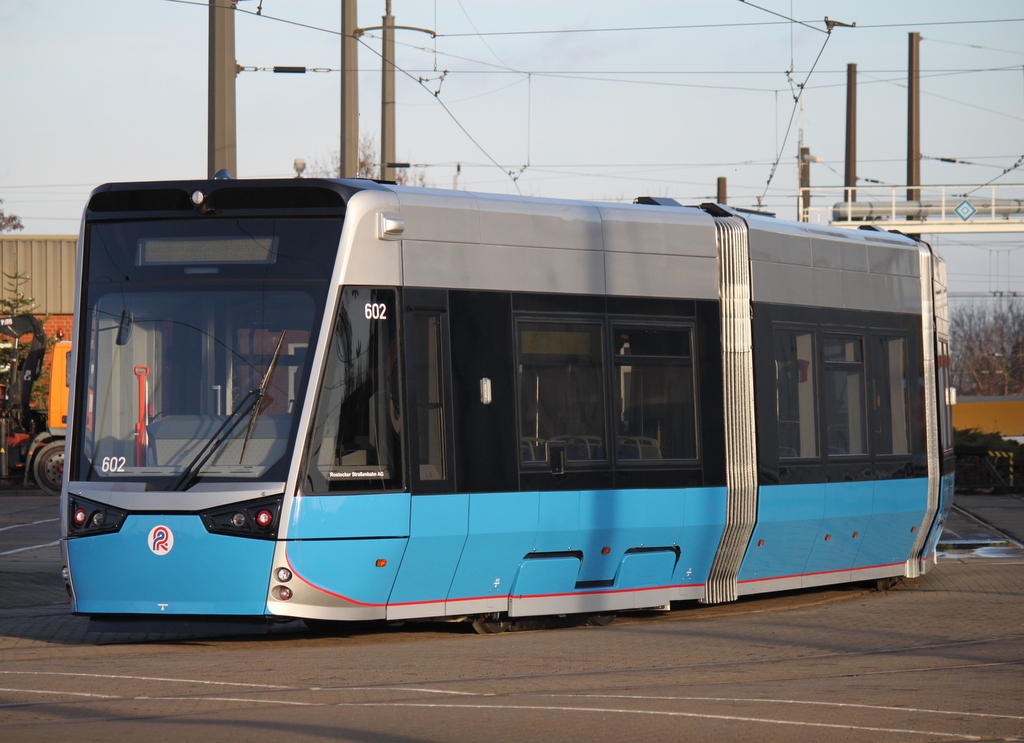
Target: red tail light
252	519
87	518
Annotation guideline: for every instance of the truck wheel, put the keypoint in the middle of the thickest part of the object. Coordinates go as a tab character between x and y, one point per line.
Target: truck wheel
48	467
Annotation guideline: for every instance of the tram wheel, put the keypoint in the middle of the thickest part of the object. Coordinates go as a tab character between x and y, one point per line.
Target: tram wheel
600	620
48	467
491	624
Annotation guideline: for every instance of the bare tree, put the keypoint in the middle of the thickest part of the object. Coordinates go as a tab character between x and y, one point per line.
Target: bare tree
369	166
988	347
9	222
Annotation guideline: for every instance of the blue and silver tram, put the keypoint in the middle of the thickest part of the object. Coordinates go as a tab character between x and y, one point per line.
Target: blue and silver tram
341	400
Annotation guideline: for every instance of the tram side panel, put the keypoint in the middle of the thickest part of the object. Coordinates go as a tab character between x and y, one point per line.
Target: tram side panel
500	528
598	536
838	354
946	465
503	528
840	496
594	538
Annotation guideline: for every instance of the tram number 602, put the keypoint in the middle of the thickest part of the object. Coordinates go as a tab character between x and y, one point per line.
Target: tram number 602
112	464
375	311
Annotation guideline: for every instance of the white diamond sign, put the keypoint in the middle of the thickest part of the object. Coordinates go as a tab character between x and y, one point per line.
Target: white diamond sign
965	210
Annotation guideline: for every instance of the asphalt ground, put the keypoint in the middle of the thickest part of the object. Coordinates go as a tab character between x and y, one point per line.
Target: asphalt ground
939	657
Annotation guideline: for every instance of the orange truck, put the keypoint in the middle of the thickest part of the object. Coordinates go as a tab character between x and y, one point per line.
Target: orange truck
32	441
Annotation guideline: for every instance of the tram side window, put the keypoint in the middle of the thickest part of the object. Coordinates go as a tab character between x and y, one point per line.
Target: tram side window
843	393
425	372
945	391
356	439
891	395
561	390
797	407
655	415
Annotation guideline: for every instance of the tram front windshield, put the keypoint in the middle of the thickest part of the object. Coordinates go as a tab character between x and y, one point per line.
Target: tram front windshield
196	339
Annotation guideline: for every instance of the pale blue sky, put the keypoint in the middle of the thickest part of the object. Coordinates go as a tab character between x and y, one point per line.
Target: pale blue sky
111	90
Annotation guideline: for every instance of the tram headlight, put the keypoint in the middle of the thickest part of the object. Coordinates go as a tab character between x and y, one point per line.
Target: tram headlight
283	574
256	519
86	518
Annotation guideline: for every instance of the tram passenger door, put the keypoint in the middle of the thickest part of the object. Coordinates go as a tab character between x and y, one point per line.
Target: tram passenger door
429	393
438	519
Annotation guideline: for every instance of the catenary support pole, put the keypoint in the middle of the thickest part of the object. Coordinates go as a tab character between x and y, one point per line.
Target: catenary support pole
348	164
387	98
914	120
221	145
850	180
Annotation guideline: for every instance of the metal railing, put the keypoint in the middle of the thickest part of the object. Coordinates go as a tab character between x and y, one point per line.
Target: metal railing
980	469
953	204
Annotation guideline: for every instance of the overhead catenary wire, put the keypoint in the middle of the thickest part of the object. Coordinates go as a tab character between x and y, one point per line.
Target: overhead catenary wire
591	75
665	27
670	27
477	32
454	118
959	162
786	17
899	84
1010	169
972	46
418	81
792	116
576	75
506	69
697	26
450	94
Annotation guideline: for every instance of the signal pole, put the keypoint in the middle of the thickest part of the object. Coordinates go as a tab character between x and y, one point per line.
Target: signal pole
348	165
805	183
221	143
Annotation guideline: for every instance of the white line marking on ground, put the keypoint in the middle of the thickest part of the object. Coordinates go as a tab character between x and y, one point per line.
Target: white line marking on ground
106	698
532	708
69	693
408	688
663	713
226	699
31	523
33	547
792	701
147	678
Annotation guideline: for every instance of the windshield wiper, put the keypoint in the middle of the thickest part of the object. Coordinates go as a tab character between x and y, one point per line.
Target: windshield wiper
214	442
250	403
258	408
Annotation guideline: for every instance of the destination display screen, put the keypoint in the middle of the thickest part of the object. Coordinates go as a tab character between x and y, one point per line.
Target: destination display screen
169	251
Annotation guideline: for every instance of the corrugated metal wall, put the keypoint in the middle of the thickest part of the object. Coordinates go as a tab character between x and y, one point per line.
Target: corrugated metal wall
48	262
